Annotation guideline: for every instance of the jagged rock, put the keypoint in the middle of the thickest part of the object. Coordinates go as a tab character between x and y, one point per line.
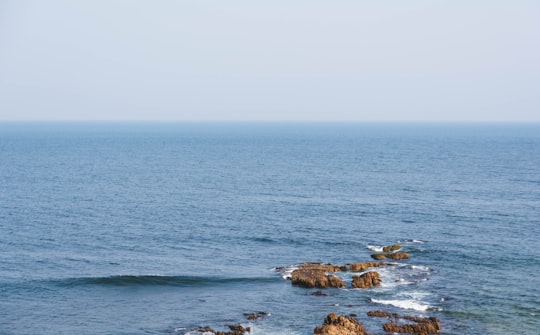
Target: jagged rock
340	325
421	326
319	294
359	267
312	275
366	280
391	248
395	256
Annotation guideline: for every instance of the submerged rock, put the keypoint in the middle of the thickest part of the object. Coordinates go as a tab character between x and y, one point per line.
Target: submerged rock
234	330
206	329
367	280
340	325
255	316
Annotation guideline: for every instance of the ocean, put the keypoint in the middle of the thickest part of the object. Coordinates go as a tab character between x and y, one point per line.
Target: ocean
161	228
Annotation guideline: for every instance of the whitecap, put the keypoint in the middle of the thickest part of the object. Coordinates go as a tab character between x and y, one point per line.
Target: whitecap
405	304
375	248
422	268
286	271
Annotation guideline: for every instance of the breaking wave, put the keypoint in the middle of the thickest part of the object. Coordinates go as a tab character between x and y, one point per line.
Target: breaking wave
405	304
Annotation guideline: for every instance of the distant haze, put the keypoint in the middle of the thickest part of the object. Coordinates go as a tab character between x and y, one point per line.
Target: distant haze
307	60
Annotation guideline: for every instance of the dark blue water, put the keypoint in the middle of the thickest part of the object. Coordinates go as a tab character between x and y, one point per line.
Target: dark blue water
154	228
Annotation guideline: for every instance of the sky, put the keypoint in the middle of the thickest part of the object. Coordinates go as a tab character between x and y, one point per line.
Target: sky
275	60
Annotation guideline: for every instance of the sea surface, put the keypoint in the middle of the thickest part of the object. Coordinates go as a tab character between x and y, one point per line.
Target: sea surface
160	228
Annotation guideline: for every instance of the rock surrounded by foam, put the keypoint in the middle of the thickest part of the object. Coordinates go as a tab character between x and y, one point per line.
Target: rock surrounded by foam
335	324
391	248
316	275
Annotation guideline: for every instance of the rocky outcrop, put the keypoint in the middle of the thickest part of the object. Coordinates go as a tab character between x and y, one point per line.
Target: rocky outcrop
390	255
315	275
360	267
315	278
367	280
325	267
408	324
391	248
420	326
340	325
381	314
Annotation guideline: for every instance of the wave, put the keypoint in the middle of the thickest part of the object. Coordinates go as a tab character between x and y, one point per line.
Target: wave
405	304
375	248
158	280
411	241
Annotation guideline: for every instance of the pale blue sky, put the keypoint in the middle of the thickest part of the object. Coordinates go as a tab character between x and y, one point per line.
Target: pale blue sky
270	60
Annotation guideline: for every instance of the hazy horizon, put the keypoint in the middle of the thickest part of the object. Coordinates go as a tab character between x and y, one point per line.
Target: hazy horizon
294	61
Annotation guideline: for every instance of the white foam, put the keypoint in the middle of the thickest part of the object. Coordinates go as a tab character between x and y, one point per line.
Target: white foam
257	330
390	278
286	272
420	267
405	304
417	241
417	295
375	248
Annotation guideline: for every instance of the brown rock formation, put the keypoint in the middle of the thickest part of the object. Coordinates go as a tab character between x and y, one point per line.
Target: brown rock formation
381	314
359	267
340	325
391	248
319	266
312	275
366	280
399	255
378	256
395	256
421	326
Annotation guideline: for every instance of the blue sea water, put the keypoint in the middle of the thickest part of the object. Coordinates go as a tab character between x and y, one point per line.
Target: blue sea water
160	228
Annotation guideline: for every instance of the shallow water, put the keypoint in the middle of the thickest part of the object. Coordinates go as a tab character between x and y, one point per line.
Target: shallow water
154	228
